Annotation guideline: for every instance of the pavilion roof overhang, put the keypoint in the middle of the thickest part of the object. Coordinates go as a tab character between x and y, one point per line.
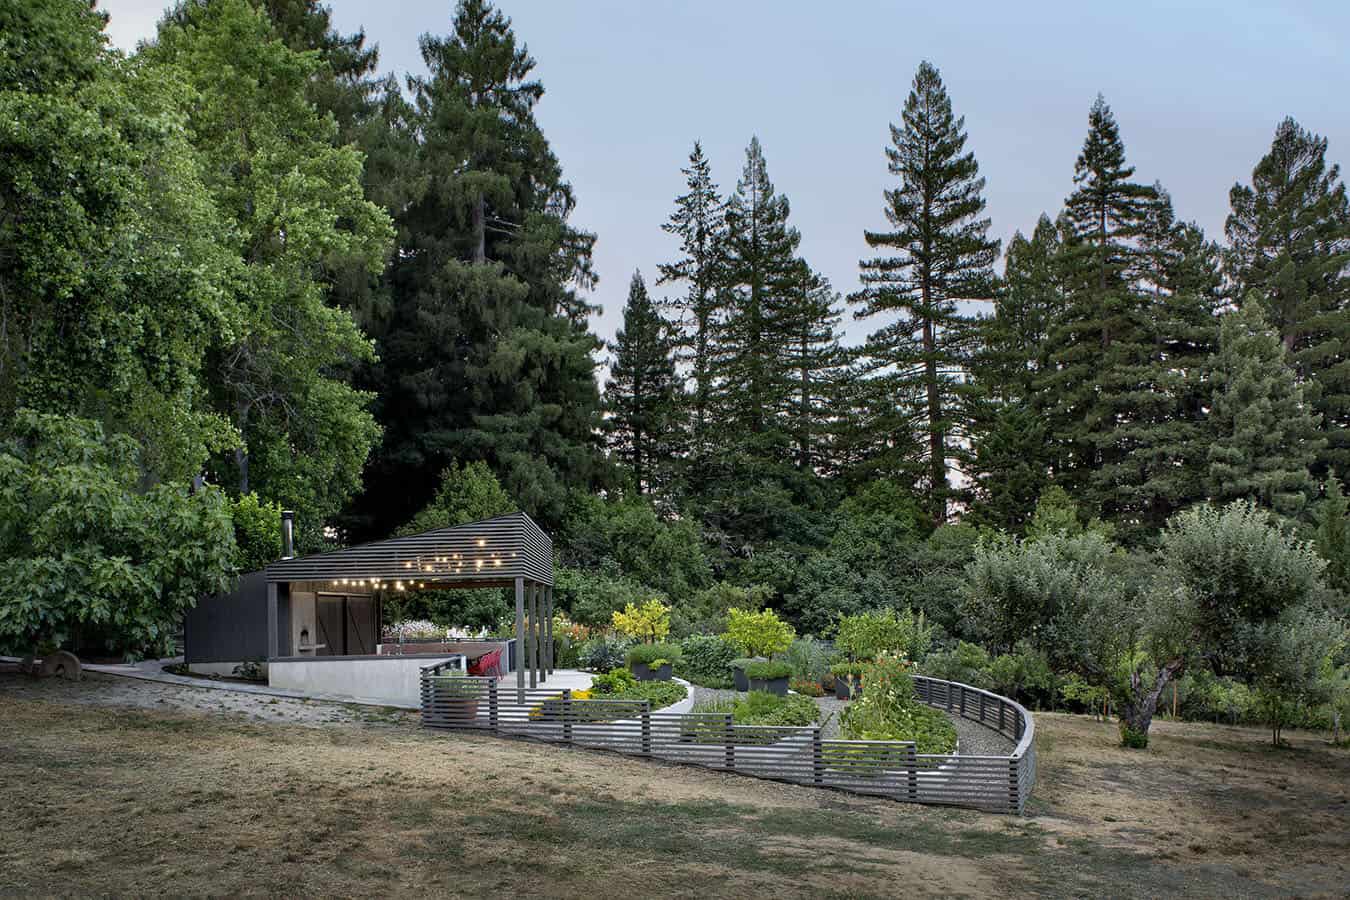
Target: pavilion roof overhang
488	553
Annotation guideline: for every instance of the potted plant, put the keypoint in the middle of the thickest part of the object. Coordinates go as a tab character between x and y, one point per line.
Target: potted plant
653	662
459	694
738	672
847	679
769	675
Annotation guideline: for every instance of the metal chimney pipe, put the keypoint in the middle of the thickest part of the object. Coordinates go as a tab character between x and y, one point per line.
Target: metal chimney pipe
287	534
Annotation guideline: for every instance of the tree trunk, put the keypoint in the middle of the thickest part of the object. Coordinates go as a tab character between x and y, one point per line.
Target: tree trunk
479	232
1139	709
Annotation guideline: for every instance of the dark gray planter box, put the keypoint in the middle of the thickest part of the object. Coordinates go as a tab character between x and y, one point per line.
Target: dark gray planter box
841	688
742	683
777	686
644	672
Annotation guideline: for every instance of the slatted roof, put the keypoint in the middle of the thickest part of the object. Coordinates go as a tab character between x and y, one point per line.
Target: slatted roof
487	553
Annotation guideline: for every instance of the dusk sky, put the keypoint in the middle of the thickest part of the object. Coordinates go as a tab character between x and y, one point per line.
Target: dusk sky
630	86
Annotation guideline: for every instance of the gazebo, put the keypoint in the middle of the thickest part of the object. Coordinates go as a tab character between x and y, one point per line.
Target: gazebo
316	619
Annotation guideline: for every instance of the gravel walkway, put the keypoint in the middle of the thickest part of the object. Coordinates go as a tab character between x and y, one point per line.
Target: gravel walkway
100	689
976	740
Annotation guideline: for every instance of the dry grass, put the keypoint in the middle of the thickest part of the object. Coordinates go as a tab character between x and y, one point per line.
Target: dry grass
109	800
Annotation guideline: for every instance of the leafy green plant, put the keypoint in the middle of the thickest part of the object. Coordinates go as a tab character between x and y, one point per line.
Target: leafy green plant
809	659
621	685
706	660
759	633
603	653
614	682
867	635
764	708
767	670
806	688
889	711
653	655
87	546
649	622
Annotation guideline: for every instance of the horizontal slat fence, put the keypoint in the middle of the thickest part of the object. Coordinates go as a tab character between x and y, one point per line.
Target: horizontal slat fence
792	754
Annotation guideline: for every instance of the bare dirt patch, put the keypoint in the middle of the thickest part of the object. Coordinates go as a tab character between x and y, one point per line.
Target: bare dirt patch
184	799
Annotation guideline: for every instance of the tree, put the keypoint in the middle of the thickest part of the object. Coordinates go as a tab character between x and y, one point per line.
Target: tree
1289	242
485	351
1263	434
1332	537
1011	349
292	199
112	294
467	493
90	554
942	254
812	362
1100	349
699	221
759	263
1246	598
649	623
642	395
759	633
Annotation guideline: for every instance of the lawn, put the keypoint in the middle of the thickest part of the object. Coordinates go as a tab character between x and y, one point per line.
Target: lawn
103	800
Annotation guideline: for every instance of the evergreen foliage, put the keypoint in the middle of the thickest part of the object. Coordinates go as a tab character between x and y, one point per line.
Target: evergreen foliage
1264	436
642	396
486	354
940	254
1289	242
699	223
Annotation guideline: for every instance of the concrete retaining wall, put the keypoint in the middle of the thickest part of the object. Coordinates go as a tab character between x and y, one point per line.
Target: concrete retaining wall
395	680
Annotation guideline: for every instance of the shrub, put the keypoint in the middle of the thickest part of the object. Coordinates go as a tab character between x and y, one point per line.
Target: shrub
808	688
767	670
603	653
809	659
649	622
653	655
889	711
615	682
706	611
763	708
867	635
759	633
1133	738
705	659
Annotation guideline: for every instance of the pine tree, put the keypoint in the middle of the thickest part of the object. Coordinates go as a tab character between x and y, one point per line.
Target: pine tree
642	395
1012	340
759	263
1009	464
1264	436
1332	538
812	360
1289	237
699	221
940	254
1164	471
1095	391
485	352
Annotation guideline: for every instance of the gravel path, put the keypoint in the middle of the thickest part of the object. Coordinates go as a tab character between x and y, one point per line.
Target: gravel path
97	689
976	740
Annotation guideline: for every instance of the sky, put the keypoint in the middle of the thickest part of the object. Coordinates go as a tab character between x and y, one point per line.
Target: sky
630	84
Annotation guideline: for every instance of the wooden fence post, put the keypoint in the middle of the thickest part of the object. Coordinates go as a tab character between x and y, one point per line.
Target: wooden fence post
817	758
1014	798
492	705
567	715
963	702
646	728
729	732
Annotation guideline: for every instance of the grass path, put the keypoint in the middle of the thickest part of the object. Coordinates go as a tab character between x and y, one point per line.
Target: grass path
109	799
